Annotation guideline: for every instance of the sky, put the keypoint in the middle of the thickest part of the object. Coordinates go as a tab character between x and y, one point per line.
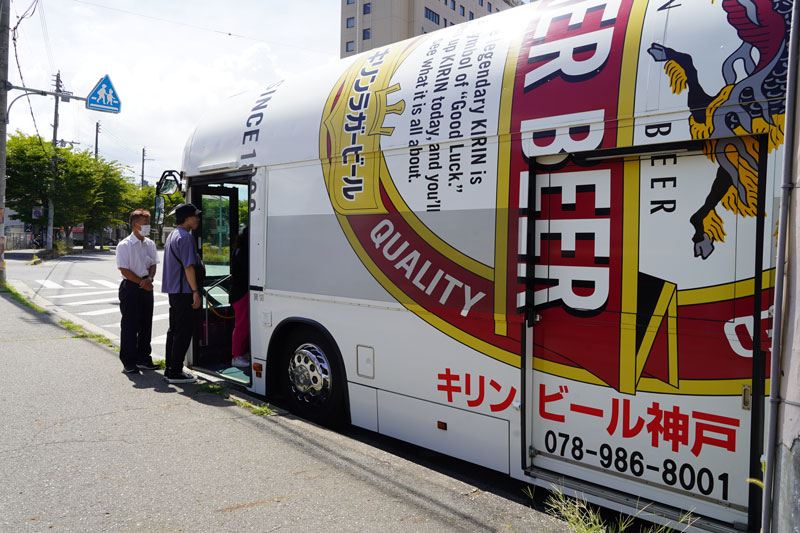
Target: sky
170	61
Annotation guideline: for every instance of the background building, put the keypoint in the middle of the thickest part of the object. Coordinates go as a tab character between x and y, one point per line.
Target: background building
368	24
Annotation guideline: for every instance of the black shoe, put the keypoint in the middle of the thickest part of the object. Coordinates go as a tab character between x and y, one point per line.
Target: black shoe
130	369
147	366
180	377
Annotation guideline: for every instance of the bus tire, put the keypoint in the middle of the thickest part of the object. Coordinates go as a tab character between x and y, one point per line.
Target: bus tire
312	378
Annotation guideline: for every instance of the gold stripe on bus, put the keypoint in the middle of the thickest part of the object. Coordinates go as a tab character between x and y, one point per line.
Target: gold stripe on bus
630	276
628	72
419	227
672	339
448	329
502	212
501	236
630	216
656	320
688	387
725	291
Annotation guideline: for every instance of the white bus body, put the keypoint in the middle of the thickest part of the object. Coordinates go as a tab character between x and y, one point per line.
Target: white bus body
528	241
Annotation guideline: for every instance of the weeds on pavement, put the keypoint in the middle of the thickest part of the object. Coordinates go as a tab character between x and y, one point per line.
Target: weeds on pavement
214	388
581	517
81	333
263	410
15	295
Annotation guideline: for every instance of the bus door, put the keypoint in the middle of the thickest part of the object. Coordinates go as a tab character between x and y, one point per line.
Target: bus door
649	276
216	234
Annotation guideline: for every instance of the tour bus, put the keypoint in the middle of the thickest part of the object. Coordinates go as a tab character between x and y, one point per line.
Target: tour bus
543	241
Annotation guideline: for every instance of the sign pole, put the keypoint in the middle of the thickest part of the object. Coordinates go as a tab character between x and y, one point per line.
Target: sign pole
5	6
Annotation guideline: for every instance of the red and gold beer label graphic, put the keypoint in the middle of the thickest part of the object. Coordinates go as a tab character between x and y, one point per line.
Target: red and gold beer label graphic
470	171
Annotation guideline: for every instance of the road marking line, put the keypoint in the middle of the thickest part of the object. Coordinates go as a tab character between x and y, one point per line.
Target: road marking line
98	301
47	284
161	339
76	283
106	283
156	318
109	310
75	295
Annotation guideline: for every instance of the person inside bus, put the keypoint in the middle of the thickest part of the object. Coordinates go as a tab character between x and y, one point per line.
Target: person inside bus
238	297
136	261
180	283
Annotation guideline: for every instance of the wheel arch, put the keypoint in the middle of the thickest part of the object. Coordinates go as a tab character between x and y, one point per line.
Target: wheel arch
282	332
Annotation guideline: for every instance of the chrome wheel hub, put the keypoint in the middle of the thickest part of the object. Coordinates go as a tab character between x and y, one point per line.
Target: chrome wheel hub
310	374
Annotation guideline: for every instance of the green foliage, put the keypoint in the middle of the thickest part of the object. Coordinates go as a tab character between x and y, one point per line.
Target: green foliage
85	190
582	517
16	296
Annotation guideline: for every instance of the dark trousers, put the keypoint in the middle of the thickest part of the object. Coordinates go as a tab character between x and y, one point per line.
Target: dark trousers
136	325
179	334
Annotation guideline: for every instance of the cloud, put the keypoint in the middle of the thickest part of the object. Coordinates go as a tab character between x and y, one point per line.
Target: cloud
167	69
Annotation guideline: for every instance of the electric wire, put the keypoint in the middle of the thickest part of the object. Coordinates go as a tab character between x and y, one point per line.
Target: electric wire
28	13
203	28
46	36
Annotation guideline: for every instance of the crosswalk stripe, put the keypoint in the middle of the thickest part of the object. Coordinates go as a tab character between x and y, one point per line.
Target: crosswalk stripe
109	310
106	283
77	294
97	301
156	318
102	300
47	284
76	283
161	339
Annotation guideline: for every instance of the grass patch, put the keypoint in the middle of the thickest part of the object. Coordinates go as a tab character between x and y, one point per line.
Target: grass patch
262	410
221	390
582	517
16	296
81	333
213	388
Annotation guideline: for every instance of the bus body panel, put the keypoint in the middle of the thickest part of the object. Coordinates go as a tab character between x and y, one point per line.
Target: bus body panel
541	225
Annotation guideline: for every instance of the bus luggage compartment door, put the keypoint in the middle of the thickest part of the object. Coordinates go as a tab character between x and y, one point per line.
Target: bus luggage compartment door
647	309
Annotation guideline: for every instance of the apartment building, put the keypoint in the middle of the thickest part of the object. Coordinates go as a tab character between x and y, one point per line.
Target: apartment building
367	24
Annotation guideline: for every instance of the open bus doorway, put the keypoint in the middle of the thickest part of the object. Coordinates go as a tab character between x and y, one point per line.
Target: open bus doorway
225	215
224	204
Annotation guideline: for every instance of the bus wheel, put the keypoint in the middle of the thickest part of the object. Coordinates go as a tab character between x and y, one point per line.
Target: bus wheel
313	381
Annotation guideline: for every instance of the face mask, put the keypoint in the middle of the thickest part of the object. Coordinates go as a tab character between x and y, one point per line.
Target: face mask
145	229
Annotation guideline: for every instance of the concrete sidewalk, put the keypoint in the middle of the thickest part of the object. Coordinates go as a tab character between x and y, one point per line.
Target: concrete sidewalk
85	447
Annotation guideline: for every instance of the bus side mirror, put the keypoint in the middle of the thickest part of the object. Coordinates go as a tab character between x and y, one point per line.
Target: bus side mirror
159	214
169	187
168	183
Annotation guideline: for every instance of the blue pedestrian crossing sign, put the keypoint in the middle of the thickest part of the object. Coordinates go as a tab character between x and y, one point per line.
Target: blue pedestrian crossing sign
104	97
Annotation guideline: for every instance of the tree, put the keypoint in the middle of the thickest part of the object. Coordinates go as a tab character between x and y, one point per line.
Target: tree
108	198
84	190
29	171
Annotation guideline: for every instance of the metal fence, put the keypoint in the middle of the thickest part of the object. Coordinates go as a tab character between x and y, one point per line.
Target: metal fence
18	241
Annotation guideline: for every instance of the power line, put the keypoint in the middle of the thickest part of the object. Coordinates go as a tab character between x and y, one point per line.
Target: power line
46	36
203	28
28	13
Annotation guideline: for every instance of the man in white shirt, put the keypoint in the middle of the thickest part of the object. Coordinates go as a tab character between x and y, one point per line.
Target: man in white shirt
136	260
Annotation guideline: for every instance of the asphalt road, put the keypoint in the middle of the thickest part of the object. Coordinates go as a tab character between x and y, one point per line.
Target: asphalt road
87	448
85	286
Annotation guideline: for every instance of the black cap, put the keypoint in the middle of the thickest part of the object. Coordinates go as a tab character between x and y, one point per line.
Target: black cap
185	210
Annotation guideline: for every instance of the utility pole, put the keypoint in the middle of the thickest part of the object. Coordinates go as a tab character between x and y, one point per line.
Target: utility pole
96	136
5	7
50	205
144	158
